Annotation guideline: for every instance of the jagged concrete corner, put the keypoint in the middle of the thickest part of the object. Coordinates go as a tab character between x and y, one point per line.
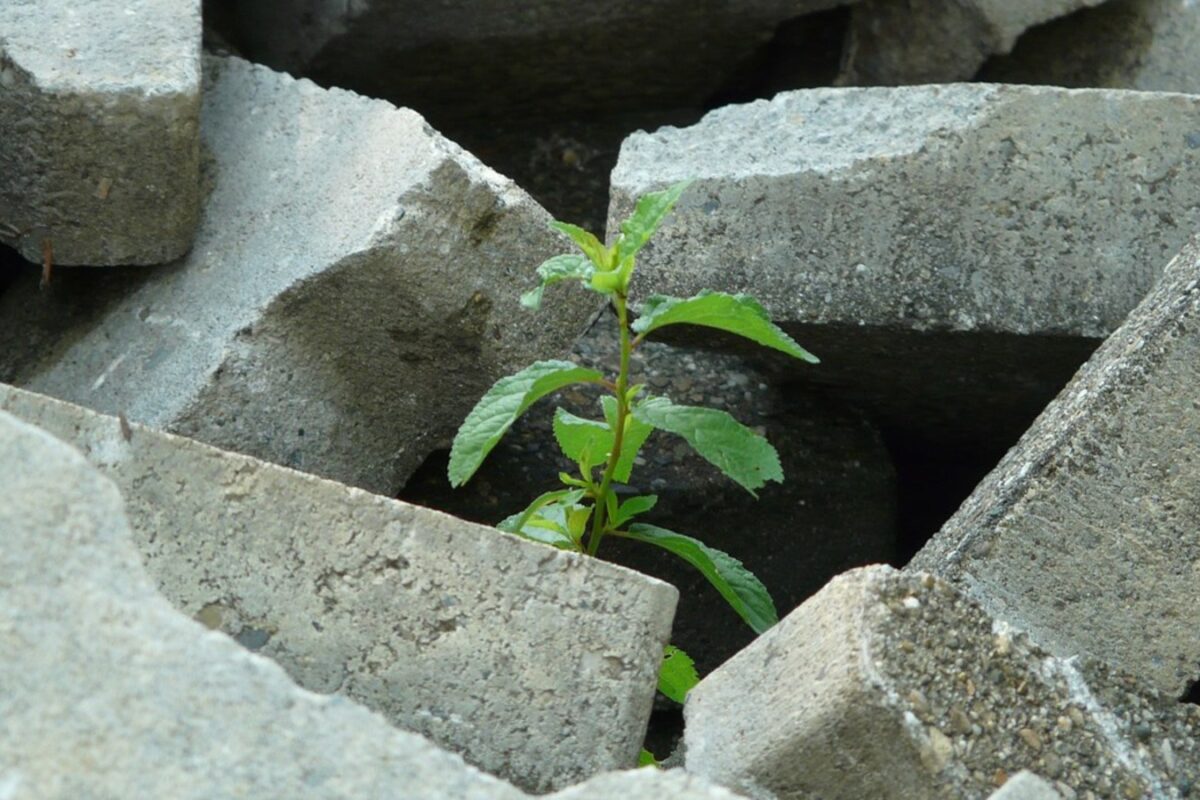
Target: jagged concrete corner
895	685
1085	533
352	292
536	665
105	690
99	130
952	253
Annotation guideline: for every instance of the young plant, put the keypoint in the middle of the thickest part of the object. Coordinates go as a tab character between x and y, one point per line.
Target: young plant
586	510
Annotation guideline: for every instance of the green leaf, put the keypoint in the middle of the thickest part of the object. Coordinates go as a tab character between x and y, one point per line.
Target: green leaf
639	504
551	535
735	313
584	441
559	268
651	210
636	433
517	521
724	442
496	411
744	592
596	252
647	759
677	675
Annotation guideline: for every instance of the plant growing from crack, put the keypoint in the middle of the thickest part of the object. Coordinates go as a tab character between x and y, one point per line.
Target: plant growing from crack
587	509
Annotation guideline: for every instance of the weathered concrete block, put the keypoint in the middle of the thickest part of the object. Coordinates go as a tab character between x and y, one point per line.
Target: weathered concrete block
952	253
1025	786
645	783
106	691
1085	534
536	665
894	685
352	292
937	41
557	57
99	129
1149	45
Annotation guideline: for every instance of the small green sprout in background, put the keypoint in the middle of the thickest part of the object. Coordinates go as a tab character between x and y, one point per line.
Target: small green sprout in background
579	516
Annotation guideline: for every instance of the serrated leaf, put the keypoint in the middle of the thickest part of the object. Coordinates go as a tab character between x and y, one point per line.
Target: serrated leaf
553	270
651	209
596	252
507	400
639	504
582	440
740	453
517	521
677	675
636	433
537	533
736	313
744	592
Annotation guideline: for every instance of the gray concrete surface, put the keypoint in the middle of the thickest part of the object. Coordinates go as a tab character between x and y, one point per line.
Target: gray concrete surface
535	664
106	691
1085	534
352	292
895	685
937	41
99	129
952	253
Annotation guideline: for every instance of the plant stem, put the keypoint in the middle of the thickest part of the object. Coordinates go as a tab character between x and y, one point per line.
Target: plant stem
622	386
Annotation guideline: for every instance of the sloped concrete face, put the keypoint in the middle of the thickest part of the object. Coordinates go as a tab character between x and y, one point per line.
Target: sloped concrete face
536	665
487	58
106	691
937	41
1148	45
1085	534
894	685
352	292
99	129
952	253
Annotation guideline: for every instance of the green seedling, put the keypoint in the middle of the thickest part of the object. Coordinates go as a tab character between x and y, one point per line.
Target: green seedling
586	509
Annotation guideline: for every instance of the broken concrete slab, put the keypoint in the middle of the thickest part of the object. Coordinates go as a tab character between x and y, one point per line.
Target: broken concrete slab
352	292
895	685
99	130
536	665
1085	533
557	55
1148	45
105	690
952	253
937	41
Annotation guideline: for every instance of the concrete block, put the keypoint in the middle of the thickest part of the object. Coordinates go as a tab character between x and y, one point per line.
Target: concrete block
952	253
352	292
1148	45
536	665
1085	533
895	685
1025	786
556	56
937	41
99	129
106	691
660	784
